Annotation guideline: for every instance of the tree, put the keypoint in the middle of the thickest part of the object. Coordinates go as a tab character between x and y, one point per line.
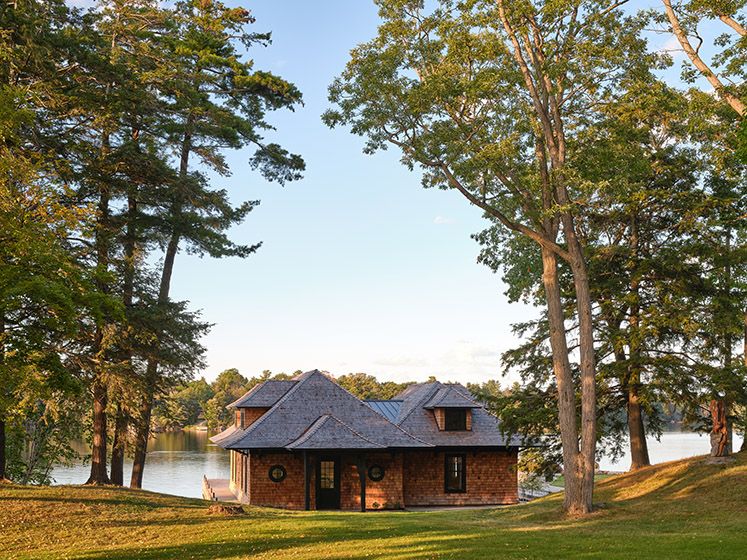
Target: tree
216	101
366	386
489	99
43	290
227	387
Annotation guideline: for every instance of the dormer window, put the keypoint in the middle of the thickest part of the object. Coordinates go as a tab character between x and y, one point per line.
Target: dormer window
455	419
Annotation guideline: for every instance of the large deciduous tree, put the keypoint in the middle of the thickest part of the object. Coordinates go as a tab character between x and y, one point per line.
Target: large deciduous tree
490	99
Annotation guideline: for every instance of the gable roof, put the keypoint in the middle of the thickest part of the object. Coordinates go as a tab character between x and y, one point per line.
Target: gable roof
329	433
311	397
263	394
449	397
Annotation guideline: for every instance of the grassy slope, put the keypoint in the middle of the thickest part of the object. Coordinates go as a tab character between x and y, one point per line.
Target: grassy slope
685	509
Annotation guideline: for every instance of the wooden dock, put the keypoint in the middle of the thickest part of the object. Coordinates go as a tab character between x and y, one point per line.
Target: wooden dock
217	490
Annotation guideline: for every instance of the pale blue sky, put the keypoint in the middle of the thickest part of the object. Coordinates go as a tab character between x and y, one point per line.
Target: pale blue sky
361	269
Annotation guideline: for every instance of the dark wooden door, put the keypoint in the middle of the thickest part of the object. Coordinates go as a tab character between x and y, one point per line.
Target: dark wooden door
328	483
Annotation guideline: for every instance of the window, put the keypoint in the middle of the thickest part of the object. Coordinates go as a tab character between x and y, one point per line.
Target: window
376	473
456	473
455	419
277	473
327	475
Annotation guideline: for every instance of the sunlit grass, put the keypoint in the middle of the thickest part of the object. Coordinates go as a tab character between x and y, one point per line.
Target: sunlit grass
685	509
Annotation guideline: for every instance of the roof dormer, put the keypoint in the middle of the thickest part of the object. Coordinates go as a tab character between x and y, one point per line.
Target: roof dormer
452	409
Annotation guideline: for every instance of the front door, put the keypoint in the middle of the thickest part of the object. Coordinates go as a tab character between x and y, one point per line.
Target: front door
328	483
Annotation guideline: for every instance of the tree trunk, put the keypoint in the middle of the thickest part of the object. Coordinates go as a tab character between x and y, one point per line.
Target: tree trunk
151	376
118	447
564	380
98	449
637	433
636	430
142	435
2	449
128	296
720	430
587	362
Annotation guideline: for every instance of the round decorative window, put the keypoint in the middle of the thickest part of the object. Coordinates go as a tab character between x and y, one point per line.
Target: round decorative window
277	473
376	473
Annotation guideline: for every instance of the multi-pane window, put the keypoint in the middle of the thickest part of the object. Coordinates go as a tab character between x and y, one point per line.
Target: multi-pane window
456	473
327	475
455	419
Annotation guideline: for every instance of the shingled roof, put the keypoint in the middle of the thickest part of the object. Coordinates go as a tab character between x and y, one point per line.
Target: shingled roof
263	395
314	412
329	433
416	417
448	396
312	396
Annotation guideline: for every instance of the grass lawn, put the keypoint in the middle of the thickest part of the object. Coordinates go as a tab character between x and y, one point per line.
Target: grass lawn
559	481
685	509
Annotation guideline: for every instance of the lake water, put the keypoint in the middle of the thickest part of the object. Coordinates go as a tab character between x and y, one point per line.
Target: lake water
177	461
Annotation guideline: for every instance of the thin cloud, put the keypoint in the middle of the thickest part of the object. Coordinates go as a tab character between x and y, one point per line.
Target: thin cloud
441	220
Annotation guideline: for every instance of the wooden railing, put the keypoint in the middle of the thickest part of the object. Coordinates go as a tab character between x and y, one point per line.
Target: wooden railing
207	492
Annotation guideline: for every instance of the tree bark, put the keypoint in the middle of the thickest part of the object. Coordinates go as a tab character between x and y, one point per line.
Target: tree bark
2	449
98	449
564	381
638	446
720	430
118	447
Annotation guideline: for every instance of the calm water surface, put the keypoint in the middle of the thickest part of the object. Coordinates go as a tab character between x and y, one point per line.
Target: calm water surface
177	461
175	465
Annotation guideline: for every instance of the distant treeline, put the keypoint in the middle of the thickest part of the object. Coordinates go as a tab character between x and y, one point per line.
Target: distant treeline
199	403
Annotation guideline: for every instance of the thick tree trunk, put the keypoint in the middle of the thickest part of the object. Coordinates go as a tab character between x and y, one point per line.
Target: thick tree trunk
98	449
587	361
637	433
720	445
564	381
142	435
118	447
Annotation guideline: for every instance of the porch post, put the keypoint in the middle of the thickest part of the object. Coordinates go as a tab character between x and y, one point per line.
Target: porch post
362	477
306	477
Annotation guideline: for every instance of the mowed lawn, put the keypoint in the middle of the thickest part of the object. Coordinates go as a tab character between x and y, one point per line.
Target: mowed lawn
685	509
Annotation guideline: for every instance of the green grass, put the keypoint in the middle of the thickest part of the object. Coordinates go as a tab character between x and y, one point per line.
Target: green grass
685	509
559	481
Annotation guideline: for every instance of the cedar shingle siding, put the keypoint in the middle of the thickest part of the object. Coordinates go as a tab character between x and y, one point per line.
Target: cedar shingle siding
295	424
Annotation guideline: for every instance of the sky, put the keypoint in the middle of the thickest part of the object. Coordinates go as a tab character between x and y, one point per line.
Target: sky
360	269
